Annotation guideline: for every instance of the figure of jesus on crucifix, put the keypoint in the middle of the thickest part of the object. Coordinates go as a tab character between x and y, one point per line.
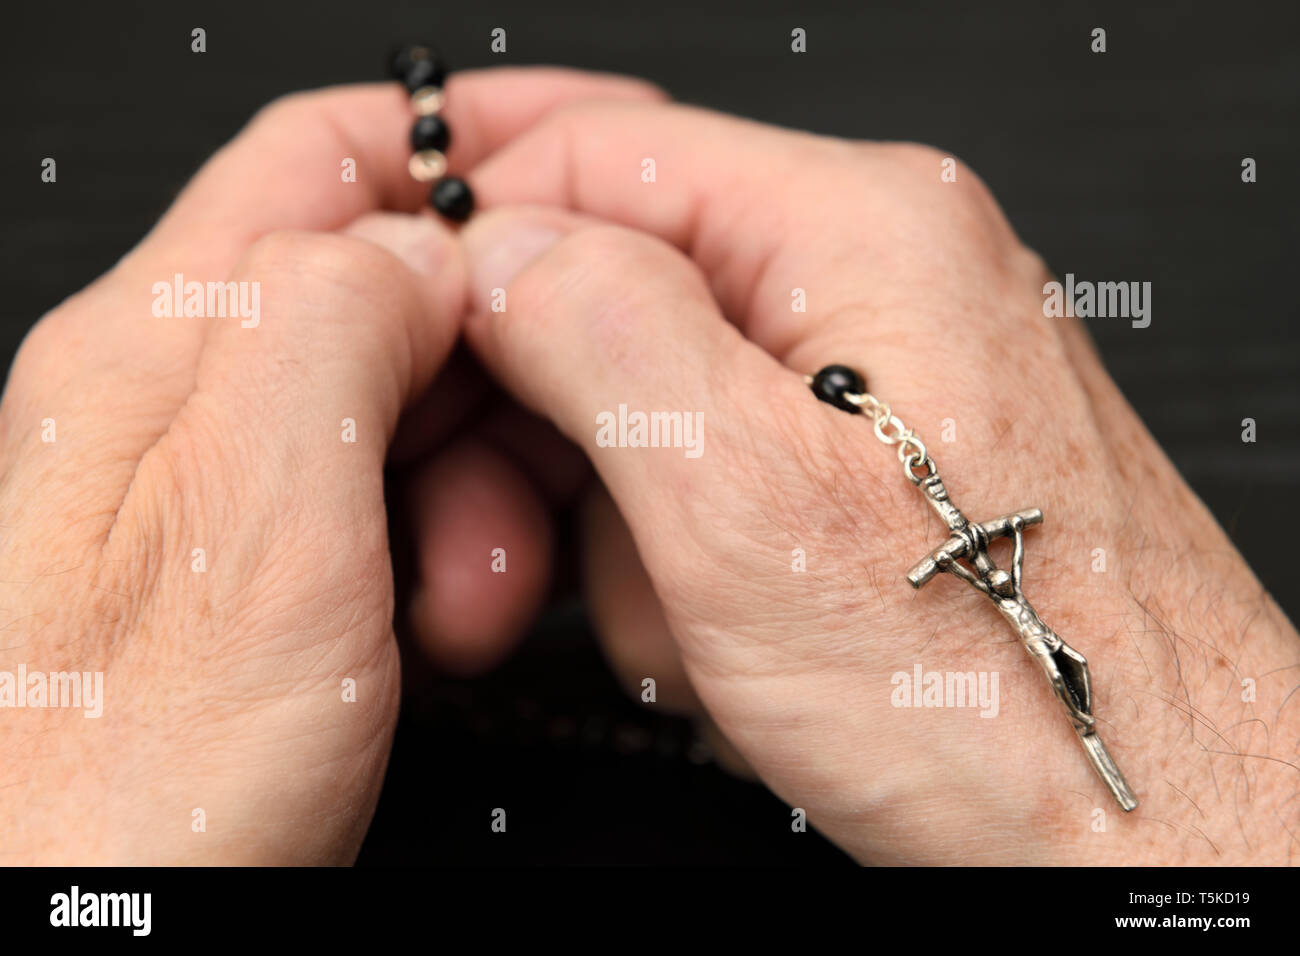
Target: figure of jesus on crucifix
1066	669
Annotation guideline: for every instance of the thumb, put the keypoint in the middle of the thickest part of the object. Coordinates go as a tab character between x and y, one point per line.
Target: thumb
613	335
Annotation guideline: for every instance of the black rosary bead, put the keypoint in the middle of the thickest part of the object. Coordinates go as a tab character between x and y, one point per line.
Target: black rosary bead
833	382
424	71
404	60
399	62
453	198
430	132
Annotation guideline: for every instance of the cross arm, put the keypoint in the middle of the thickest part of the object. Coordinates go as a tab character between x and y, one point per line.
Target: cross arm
956	546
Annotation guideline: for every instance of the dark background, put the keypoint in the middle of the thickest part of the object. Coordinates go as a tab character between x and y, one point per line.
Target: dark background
1120	166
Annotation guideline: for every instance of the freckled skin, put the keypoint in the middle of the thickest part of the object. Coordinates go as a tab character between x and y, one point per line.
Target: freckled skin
928	288
771	654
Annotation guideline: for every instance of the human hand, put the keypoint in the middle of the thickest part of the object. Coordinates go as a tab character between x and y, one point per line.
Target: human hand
184	514
923	286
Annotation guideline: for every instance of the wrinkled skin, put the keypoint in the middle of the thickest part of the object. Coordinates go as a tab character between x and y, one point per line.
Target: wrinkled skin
224	687
922	285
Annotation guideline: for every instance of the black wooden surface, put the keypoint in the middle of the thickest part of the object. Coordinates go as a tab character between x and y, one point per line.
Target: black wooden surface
1117	166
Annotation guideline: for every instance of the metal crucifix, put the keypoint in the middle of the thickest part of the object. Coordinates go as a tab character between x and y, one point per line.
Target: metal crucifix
1066	668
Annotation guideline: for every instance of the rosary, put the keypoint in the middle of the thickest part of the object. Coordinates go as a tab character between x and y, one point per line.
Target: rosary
422	72
1065	668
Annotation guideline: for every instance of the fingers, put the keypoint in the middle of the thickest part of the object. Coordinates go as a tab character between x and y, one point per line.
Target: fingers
818	249
613	336
596	324
285	171
793	247
351	326
290	419
132	341
821	251
657	168
484	538
484	543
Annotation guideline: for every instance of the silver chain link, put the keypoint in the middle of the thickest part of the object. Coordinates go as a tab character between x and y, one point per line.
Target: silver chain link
911	449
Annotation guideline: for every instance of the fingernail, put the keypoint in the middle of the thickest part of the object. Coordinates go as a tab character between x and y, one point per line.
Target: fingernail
499	248
419	241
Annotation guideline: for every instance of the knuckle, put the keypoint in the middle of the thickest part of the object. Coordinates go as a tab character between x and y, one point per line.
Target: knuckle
330	281
949	194
47	352
1030	266
43	341
286	250
927	161
350	264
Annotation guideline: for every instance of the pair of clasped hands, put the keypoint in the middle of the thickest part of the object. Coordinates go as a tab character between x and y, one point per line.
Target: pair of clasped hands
223	685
